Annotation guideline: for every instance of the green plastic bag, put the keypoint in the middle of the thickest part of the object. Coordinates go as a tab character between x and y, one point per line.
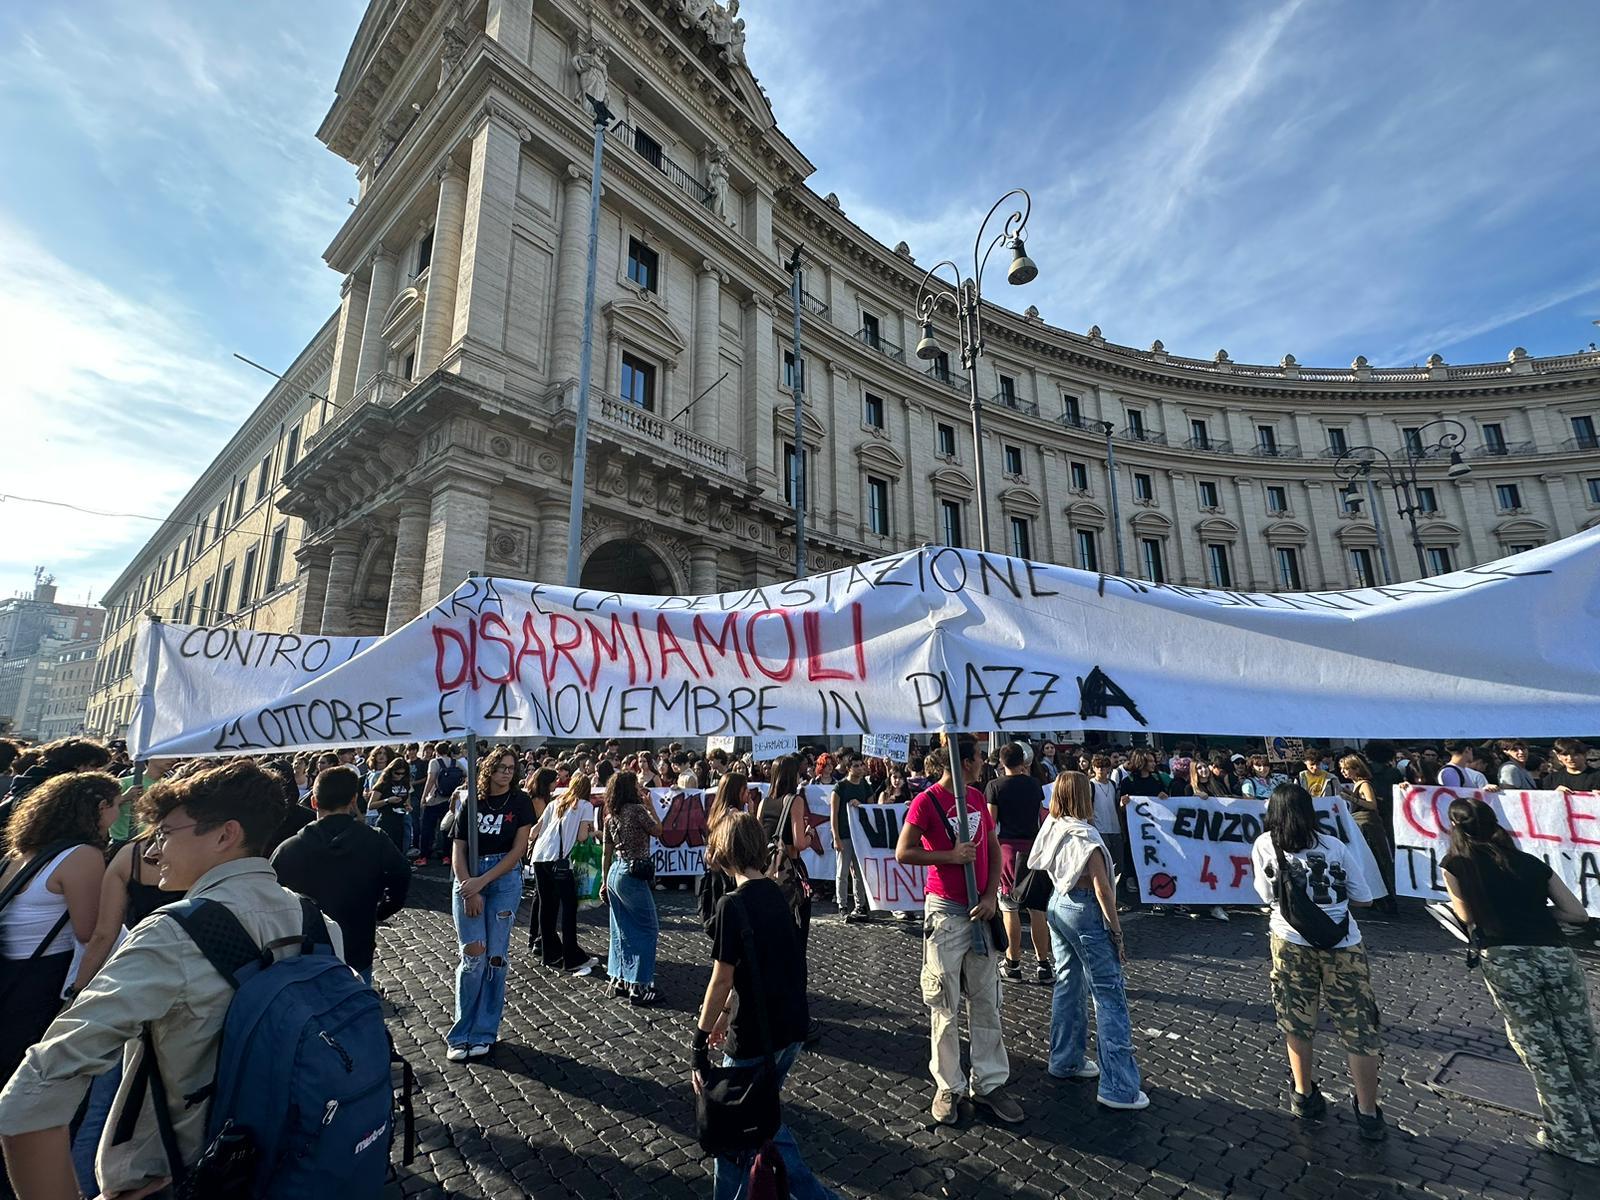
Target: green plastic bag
586	871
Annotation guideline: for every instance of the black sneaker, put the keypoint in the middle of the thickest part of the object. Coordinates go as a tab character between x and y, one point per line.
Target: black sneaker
1044	973
1011	971
1311	1107
850	918
1371	1129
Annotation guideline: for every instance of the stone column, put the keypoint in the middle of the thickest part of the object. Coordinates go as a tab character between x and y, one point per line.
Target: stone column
313	563
759	374
380	294
1558	499
410	551
483	287
347	343
345	556
552	556
703	569
458	528
707	350
439	307
510	22
571	262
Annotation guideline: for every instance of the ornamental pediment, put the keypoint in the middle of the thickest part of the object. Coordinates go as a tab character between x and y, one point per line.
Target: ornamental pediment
878	456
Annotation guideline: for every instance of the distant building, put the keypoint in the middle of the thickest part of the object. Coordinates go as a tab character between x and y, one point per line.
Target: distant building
34	632
70	683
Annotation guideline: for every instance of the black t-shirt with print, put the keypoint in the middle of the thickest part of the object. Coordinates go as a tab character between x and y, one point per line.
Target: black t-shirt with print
1517	901
499	819
782	963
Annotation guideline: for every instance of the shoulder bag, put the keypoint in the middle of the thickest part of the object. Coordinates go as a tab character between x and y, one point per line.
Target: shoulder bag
1304	915
737	1109
787	871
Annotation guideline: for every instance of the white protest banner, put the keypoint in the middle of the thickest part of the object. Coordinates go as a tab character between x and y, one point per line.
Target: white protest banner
725	744
766	747
895	747
681	848
1563	828
1196	849
946	638
891	887
203	672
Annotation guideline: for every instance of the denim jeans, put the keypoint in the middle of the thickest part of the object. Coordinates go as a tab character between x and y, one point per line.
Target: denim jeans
481	978
86	1137
728	1177
1086	964
850	890
634	926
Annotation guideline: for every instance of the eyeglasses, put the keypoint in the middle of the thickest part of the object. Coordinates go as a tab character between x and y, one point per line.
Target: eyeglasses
504	767
163	832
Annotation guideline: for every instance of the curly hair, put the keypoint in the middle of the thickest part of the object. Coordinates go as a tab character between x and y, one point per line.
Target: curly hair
74	754
486	768
62	808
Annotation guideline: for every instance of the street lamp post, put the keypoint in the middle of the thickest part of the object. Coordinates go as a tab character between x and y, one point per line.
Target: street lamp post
1107	428
967	300
1402	476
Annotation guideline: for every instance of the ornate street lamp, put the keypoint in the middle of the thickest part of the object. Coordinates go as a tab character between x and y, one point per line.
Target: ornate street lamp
1359	462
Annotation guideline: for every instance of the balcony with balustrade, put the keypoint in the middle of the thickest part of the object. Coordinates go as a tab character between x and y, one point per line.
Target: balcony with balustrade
873	339
641	144
382	390
632	428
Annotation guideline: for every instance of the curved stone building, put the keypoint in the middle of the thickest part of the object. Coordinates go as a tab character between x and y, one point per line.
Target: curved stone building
426	430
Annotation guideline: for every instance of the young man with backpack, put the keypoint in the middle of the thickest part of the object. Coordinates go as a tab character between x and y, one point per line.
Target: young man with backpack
356	874
202	1004
446	773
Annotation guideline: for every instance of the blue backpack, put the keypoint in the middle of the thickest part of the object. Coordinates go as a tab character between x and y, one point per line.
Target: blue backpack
302	1103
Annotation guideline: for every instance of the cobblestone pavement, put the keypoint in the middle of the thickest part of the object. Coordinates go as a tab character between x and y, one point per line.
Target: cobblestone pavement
588	1097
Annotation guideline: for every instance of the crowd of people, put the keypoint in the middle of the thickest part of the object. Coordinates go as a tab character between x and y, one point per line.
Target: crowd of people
96	981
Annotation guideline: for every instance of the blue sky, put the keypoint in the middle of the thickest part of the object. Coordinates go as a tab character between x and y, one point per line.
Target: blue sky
1328	179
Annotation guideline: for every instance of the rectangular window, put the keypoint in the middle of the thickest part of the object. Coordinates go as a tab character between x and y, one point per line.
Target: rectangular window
1337	443
872	410
789	477
788	371
188	609
291	447
1143	487
1267	439
264	480
1088	550
1209	497
408	368
639	382
247	577
1199	435
1069	409
946	441
1411	435
188	545
1217	561
1427	500
950	522
869	330
1594	490
280	536
648	149
1583	432
225	590
1277	499
1494	438
1080	477
644	265
206	589
1439	560
878	506
424	251
1135	423
238	499
1520	549
1289	568
1508	496
1021	538
1008	390
1361	567
222	516
941	367
1013	457
1150	551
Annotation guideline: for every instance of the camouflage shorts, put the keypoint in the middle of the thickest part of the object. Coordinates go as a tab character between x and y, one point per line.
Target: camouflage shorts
1303	979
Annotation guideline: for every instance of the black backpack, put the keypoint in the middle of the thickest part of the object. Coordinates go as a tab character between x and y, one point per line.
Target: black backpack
451	776
1305	916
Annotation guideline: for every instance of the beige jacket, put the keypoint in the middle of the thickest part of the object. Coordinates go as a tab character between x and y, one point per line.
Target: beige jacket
157	976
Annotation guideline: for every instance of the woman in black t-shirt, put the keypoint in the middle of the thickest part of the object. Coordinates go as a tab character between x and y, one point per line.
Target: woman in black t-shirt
1536	980
755	1003
484	903
388	799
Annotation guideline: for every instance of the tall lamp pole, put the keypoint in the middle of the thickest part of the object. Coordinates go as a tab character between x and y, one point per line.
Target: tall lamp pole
797	384
580	424
1402	475
966	298
1107	428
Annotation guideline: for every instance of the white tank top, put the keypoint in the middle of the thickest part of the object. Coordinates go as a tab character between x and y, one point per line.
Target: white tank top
34	913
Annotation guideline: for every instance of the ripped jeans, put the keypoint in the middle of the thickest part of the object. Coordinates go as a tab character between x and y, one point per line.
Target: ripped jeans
481	977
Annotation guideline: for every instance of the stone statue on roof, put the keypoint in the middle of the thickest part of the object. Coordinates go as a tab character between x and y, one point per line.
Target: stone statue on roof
591	65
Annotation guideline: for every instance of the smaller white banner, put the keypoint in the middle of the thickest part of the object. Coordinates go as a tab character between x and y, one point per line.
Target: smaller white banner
891	886
1563	828
725	744
893	746
766	747
1196	849
681	848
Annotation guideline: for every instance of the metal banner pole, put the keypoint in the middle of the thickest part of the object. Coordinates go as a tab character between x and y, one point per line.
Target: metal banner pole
469	813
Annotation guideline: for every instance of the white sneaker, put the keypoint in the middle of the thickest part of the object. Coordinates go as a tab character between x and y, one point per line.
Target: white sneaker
480	1050
1089	1070
456	1054
586	969
1218	913
1138	1102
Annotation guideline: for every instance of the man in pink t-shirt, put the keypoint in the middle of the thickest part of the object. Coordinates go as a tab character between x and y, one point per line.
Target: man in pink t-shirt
952	967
